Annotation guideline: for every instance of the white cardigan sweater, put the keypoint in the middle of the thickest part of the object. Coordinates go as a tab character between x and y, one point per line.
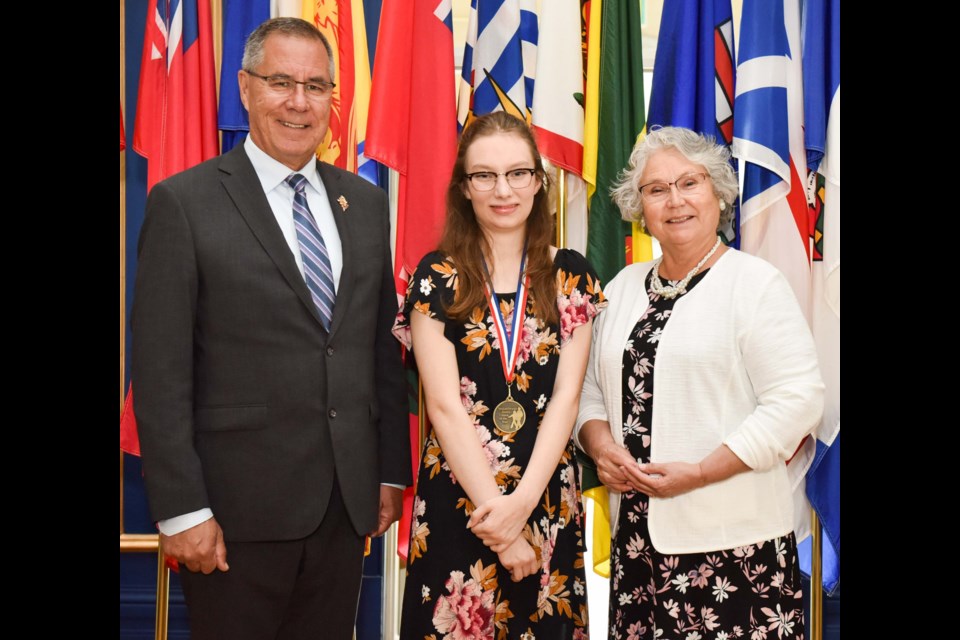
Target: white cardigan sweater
735	365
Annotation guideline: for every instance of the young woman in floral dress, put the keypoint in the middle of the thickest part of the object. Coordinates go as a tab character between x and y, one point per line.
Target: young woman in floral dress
499	323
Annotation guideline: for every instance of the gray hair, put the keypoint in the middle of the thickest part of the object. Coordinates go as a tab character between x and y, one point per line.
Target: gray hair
698	149
288	27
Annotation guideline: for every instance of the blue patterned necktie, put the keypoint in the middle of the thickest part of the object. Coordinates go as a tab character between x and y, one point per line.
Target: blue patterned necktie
316	261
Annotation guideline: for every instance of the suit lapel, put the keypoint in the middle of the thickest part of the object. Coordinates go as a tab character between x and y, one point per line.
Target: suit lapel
336	195
243	186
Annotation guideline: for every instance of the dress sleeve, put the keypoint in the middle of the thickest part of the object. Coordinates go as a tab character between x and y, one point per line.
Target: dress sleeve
579	296
429	289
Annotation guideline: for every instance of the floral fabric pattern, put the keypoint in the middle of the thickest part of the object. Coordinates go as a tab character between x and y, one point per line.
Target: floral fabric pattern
456	589
750	592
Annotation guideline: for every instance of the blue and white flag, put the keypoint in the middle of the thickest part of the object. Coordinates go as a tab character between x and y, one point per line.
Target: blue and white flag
821	92
768	141
499	60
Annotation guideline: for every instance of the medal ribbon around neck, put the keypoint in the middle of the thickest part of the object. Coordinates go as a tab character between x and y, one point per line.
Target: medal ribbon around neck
510	339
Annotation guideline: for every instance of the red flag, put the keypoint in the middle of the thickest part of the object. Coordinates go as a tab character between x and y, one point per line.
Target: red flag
176	125
412	128
129	438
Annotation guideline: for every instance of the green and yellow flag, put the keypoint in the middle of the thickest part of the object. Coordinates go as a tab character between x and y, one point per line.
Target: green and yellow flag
620	120
614	119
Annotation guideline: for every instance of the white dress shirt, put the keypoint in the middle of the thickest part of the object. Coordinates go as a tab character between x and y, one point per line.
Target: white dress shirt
272	176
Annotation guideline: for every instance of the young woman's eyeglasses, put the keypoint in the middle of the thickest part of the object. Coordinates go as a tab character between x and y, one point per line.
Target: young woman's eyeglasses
487	180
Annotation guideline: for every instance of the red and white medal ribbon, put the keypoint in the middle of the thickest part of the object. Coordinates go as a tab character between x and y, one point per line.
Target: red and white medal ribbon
509	340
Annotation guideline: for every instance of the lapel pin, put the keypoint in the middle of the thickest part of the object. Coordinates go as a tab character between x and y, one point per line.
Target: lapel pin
343	203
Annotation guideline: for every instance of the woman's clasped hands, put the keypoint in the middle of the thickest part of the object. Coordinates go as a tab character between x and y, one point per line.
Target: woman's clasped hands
618	470
499	523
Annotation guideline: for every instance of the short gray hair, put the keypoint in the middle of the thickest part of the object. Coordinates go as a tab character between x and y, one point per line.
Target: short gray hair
697	148
289	27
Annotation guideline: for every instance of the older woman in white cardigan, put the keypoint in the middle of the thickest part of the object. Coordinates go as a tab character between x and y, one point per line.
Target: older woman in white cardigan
702	383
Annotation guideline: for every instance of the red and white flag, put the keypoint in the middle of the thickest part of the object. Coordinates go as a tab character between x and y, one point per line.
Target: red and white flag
176	124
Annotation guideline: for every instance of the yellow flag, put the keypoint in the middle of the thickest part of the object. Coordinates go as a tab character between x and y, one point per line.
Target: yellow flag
591	109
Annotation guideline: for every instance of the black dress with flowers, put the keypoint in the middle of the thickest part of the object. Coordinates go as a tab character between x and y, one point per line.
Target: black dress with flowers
751	592
456	589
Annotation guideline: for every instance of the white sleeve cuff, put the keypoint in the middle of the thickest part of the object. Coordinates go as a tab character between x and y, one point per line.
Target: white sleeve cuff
179	524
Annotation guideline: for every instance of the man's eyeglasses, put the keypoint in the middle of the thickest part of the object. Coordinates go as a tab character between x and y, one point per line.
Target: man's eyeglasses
687	184
285	85
487	180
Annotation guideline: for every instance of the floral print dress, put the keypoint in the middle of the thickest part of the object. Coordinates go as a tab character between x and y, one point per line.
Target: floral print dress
456	589
751	592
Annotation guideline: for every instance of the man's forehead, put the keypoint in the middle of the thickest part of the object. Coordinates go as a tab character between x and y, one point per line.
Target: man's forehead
281	48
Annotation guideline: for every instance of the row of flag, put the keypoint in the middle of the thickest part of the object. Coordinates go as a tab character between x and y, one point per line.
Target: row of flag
575	73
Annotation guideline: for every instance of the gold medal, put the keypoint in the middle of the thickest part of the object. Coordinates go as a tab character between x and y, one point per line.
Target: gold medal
509	416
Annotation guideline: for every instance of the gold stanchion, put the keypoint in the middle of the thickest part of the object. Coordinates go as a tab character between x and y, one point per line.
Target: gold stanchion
139	542
816	580
163	597
561	208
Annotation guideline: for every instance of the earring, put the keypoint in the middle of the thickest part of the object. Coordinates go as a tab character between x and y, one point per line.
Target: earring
723	206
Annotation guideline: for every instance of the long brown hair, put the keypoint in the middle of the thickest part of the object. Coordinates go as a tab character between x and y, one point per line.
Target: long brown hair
464	241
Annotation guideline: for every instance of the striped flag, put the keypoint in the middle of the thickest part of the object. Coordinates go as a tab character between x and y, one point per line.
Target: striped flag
499	60
821	92
693	77
176	123
240	18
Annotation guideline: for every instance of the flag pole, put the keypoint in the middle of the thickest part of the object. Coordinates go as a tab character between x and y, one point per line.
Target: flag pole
123	254
561	208
816	580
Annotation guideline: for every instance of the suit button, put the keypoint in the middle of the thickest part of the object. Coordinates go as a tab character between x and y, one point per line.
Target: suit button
329	351
332	413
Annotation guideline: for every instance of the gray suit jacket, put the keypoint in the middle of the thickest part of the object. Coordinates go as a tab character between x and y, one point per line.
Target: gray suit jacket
244	403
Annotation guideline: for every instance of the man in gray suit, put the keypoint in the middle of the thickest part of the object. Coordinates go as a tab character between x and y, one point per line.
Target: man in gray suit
270	394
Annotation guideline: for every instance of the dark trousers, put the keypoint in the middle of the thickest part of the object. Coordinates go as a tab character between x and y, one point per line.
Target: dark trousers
282	590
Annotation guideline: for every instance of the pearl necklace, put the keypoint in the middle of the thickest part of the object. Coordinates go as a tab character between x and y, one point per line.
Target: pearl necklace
671	292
